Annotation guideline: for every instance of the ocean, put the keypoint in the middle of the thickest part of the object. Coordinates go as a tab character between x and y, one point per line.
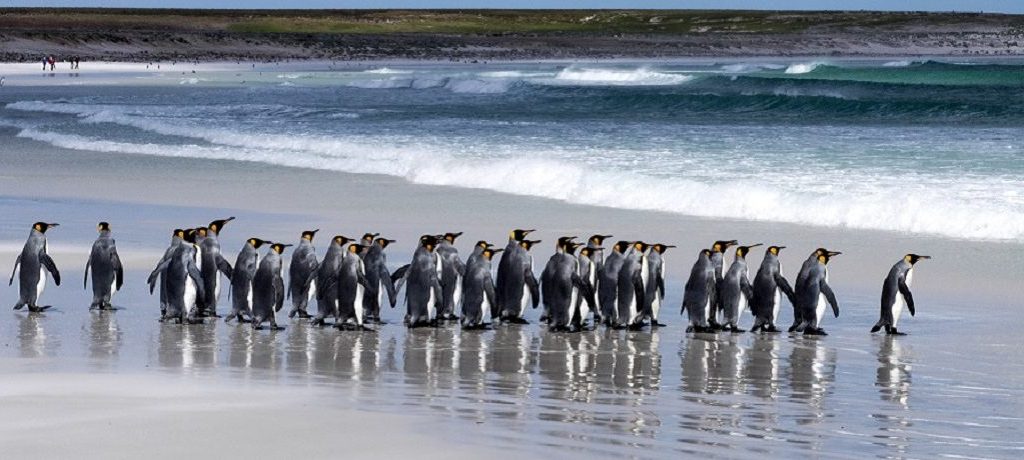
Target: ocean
915	147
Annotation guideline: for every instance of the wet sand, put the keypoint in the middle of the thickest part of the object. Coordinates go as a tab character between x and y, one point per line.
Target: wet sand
952	387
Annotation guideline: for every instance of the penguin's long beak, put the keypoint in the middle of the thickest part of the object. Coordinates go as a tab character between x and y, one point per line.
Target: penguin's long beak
314	231
53	225
924	257
754	245
781	247
833	253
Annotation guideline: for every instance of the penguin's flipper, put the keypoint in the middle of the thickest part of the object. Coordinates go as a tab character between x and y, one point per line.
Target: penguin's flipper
661	286
877	326
196	276
85	279
638	288
118	270
362	280
531	282
905	290
831	297
224	266
745	288
17	262
488	293
398	277
278	293
786	289
51	267
160	267
389	285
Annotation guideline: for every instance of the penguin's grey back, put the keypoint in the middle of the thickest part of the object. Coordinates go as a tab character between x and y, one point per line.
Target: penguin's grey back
697	292
608	283
104	265
421	297
732	294
264	290
765	286
300	269
474	290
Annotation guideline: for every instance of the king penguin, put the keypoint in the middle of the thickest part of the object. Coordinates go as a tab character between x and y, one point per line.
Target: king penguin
654	297
896	294
588	272
34	262
452	271
608	283
718	249
560	246
351	285
516	285
327	275
177	238
561	286
633	279
736	290
212	263
699	293
478	289
107	272
302	275
769	287
182	280
813	294
379	278
422	284
241	280
268	288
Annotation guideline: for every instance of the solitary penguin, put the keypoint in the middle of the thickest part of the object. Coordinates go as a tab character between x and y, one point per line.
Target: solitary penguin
242	276
34	262
177	238
422	284
813	294
736	290
699	293
633	279
561	285
516	284
452	270
896	294
769	287
212	263
351	285
302	275
183	281
478	290
718	249
654	296
268	288
107	272
379	279
608	283
327	275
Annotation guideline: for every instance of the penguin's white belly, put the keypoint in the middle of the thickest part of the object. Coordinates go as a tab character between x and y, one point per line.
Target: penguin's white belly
312	291
485	308
380	293
707	309
525	299
901	302
776	302
457	294
572	304
216	286
248	298
357	305
190	293
41	284
743	304
819	311
431	305
655	306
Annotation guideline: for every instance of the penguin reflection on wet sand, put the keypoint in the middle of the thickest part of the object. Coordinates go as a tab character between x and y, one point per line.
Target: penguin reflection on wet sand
107	272
813	294
896	294
478	289
735	290
769	286
34	262
268	288
242	277
699	293
302	275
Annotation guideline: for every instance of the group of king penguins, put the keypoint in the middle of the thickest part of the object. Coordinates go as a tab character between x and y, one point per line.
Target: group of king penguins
624	289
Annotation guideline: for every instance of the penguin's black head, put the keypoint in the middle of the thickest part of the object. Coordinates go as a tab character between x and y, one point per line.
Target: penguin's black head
824	255
383	242
483	244
356	248
519	234
564	242
705	253
572	246
588	251
722	245
218	225
742	251
598	240
341	240
368	237
103	227
190	235
309	234
450	237
429	242
528	244
42	227
640	246
279	247
913	258
661	248
256	242
774	250
489	253
178	233
201	232
621	246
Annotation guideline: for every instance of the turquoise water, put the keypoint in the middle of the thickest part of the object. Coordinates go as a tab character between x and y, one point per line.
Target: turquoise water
907	146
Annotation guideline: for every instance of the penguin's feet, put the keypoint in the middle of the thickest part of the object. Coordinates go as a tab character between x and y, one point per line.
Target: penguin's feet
95	306
771	329
318	322
735	330
690	329
517	320
275	327
18	306
635	326
656	323
893	331
38	309
814	331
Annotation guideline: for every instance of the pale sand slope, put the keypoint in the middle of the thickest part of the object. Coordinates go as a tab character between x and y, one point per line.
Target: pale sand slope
79	188
107	416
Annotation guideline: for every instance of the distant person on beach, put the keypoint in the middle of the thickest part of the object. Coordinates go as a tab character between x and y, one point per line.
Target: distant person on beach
52	61
44	63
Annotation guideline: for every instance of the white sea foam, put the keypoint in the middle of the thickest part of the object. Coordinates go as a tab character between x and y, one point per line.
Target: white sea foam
948	207
745	67
897	64
386	70
612	77
801	68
